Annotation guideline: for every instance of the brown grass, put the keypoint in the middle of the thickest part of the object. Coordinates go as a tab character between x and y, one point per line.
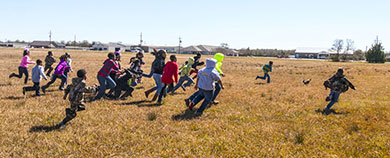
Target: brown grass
252	120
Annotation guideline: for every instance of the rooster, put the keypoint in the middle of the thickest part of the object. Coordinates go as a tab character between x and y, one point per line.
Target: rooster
306	82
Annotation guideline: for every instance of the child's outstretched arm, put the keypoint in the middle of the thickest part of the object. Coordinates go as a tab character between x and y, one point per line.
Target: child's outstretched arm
220	82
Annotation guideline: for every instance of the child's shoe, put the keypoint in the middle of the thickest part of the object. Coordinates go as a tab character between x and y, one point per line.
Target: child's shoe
159	103
327	98
257	77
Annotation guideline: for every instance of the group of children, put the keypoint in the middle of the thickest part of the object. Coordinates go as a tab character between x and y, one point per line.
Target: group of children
111	76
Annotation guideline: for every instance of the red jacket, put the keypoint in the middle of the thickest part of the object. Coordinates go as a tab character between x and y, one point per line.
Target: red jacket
170	70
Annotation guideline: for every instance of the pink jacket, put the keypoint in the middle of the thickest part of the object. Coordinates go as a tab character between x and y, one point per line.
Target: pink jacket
26	61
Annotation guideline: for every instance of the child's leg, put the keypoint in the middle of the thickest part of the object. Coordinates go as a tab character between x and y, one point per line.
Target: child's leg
189	81
63	81
49	72
161	95
262	77
129	91
216	92
37	88
268	78
102	88
334	98
207	98
53	79
193	96
70	114
181	80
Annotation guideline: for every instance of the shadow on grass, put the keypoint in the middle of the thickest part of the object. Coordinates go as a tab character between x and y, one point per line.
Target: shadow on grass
260	83
140	87
13	98
43	128
142	103
5	85
185	115
331	111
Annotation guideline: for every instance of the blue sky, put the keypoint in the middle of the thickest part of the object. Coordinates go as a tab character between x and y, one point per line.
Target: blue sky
282	24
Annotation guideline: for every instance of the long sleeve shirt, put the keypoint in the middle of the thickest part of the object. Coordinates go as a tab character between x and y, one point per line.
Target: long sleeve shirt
61	67
38	73
170	72
108	66
25	62
49	60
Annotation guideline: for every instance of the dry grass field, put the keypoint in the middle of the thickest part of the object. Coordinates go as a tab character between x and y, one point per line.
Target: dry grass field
253	119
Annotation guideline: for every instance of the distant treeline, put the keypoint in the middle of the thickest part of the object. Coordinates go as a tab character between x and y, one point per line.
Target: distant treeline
83	43
266	52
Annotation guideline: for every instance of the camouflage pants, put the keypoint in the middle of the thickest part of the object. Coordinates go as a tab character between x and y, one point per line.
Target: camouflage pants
71	112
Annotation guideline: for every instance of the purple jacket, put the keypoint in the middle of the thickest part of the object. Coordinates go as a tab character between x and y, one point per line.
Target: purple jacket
61	67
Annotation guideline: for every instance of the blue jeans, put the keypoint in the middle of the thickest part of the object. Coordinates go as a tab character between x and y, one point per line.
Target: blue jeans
164	91
181	81
54	78
334	96
266	76
105	83
157	80
34	88
216	91
193	96
207	95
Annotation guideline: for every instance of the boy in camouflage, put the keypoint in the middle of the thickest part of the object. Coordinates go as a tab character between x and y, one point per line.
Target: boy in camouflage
338	84
76	92
49	61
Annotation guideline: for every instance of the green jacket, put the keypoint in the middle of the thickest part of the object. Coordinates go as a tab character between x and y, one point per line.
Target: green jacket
186	68
219	57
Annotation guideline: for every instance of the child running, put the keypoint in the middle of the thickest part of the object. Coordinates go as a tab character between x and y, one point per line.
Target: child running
205	82
76	92
157	69
105	81
49	61
37	74
219	57
185	75
338	84
169	72
266	69
23	67
58	73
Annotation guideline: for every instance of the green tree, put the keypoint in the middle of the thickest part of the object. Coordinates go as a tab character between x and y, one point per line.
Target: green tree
376	54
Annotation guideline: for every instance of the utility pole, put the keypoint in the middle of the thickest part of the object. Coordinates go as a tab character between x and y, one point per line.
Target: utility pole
140	41
179	43
74	42
50	36
377	40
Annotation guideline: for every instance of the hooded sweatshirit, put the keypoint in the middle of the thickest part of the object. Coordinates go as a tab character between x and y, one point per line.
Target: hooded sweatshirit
208	75
185	69
219	57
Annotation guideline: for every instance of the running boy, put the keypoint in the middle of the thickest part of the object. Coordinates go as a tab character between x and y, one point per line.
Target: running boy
185	75
76	92
338	84
49	61
219	57
58	73
205	82
37	74
266	69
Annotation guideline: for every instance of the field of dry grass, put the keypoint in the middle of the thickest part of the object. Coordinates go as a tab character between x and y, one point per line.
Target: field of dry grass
252	120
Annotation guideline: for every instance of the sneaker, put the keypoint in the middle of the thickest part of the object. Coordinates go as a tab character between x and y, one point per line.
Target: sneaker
159	103
187	102
327	98
61	88
146	94
215	102
44	89
24	91
182	87
257	77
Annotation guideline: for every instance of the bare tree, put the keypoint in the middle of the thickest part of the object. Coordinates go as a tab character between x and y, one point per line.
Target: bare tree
349	46
337	46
